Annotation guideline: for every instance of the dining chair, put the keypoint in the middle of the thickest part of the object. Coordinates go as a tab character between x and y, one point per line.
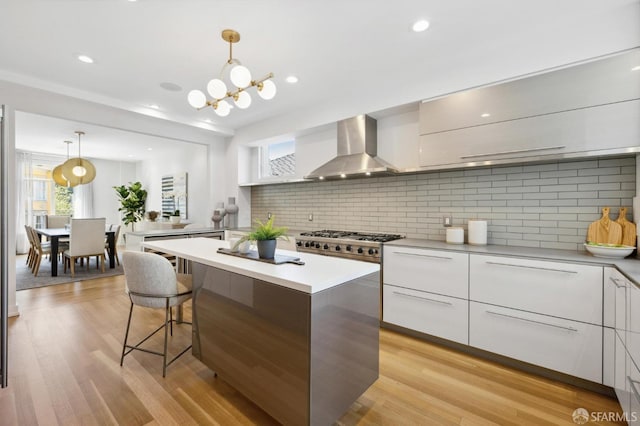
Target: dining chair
57	221
86	239
40	249
152	282
31	255
116	236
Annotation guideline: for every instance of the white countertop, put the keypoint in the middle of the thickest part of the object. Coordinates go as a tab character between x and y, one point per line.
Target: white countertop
629	266
317	274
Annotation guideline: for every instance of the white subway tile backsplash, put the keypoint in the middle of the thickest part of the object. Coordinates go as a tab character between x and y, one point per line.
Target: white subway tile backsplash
541	205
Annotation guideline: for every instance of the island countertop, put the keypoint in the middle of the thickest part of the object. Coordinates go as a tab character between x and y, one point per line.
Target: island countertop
317	274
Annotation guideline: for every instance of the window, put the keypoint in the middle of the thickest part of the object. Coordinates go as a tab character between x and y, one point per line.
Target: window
278	159
40	190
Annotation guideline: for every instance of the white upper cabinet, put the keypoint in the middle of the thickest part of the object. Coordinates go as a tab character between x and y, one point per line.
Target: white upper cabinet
567	112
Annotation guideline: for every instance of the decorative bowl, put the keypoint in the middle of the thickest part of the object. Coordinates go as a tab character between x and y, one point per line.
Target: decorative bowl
616	251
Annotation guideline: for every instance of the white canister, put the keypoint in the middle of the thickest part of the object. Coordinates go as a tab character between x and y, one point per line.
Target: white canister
478	232
455	235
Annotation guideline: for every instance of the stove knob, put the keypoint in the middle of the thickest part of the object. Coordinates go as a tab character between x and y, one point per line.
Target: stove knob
360	250
337	248
370	251
348	248
299	243
306	244
326	247
317	245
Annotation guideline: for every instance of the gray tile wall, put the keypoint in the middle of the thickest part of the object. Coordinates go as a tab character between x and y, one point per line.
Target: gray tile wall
544	205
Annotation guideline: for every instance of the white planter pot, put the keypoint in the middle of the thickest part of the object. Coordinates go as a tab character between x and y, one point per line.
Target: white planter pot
174	219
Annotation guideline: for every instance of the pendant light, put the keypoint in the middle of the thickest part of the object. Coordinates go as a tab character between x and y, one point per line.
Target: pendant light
78	171
241	81
57	175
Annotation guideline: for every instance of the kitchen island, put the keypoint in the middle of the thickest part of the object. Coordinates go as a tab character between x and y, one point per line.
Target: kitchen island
301	341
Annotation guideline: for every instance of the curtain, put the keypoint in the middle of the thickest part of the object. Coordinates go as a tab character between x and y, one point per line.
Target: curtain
23	200
83	201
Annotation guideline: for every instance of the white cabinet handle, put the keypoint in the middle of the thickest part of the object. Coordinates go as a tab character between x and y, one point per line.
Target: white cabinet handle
421	255
533	321
615	282
442	302
566	271
516	151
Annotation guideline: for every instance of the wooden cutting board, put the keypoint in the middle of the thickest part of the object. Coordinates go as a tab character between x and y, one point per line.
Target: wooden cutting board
605	230
628	228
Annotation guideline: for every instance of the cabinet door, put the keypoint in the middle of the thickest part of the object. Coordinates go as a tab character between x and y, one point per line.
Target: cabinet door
620	382
608	356
441	316
563	290
611	275
570	347
633	324
435	271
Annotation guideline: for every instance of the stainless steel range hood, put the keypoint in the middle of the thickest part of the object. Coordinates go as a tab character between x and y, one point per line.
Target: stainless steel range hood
357	152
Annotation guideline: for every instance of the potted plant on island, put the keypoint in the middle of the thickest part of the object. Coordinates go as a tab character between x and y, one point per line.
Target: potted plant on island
265	235
132	200
175	217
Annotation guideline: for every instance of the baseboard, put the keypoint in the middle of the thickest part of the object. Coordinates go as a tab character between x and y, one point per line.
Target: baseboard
509	362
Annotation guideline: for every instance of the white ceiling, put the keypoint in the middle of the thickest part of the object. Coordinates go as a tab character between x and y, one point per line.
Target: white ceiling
356	53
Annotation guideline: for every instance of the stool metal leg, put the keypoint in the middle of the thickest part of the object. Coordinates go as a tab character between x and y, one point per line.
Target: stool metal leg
126	335
166	331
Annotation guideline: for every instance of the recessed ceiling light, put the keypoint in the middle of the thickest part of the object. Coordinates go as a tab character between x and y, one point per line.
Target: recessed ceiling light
636	68
368	173
154	106
130	155
208	120
321	178
342	175
485	115
149	149
420	25
172	87
291	79
86	59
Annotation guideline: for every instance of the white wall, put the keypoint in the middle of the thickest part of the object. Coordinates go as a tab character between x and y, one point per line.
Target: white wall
194	159
108	175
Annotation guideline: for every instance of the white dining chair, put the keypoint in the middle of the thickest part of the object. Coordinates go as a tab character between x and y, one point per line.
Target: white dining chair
86	239
57	221
152	282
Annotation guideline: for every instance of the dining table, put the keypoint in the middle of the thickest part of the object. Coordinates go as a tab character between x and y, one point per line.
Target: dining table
54	235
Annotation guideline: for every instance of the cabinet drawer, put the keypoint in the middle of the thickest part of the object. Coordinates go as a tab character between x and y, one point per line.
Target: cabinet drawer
620	382
632	341
435	271
441	316
564	290
567	346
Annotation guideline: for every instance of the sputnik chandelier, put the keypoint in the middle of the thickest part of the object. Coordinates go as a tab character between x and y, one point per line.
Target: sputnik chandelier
240	77
74	171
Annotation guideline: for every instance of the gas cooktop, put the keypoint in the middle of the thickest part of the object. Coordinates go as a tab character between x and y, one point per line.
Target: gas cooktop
351	235
354	245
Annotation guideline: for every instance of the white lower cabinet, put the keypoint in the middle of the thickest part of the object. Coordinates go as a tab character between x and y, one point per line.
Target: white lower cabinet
608	356
620	382
564	290
562	345
437	315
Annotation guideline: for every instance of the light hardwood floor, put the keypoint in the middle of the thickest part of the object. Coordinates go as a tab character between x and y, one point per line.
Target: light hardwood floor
64	369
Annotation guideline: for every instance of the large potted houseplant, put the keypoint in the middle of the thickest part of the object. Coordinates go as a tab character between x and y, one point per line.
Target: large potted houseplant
132	201
265	235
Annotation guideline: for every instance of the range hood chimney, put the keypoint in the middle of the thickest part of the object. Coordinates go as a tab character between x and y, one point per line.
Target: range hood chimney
357	152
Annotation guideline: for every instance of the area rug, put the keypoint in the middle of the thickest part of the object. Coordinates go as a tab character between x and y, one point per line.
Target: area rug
25	279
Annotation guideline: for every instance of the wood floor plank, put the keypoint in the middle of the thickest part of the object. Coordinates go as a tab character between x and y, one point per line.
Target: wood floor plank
64	368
